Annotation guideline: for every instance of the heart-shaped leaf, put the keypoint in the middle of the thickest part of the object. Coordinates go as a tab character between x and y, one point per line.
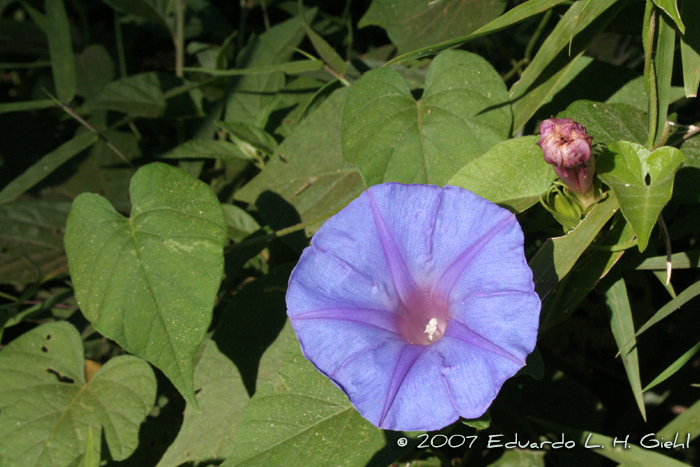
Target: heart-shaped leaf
390	136
149	281
48	407
208	435
305	412
419	23
609	122
512	174
643	182
310	172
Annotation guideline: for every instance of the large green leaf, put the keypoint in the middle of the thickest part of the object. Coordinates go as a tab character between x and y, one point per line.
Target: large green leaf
464	111
513	174
412	24
309	171
514	16
643	182
634	93
208	434
48	406
608	123
149	281
31	240
304	420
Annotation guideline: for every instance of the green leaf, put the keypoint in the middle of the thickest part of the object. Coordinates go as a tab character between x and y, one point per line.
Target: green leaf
684	260
480	423
643	182
208	435
514	16
622	325
48	407
559	52
670	7
31	240
687	183
663	68
557	256
324	49
60	49
512	174
251	134
206	149
149	281
253	98
47	164
690	48
298	66
608	123
303	95
634	93
7	107
305	412
94	70
682	298
413	24
309	171
390	136
150	10
240	224
683	424
149	95
579	281
674	367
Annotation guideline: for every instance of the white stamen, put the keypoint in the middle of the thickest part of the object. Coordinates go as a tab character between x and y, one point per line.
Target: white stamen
431	328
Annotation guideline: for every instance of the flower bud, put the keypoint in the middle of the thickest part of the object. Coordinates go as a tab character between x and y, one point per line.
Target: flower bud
567	147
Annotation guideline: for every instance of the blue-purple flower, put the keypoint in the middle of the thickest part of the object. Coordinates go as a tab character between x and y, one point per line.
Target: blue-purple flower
417	302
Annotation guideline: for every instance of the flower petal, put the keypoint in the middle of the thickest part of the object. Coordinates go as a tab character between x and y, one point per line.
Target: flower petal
473	375
499	318
400	387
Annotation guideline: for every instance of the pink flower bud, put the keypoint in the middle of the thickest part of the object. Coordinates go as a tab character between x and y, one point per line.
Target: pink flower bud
567	146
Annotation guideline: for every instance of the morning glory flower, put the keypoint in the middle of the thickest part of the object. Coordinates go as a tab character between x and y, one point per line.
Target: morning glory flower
417	302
